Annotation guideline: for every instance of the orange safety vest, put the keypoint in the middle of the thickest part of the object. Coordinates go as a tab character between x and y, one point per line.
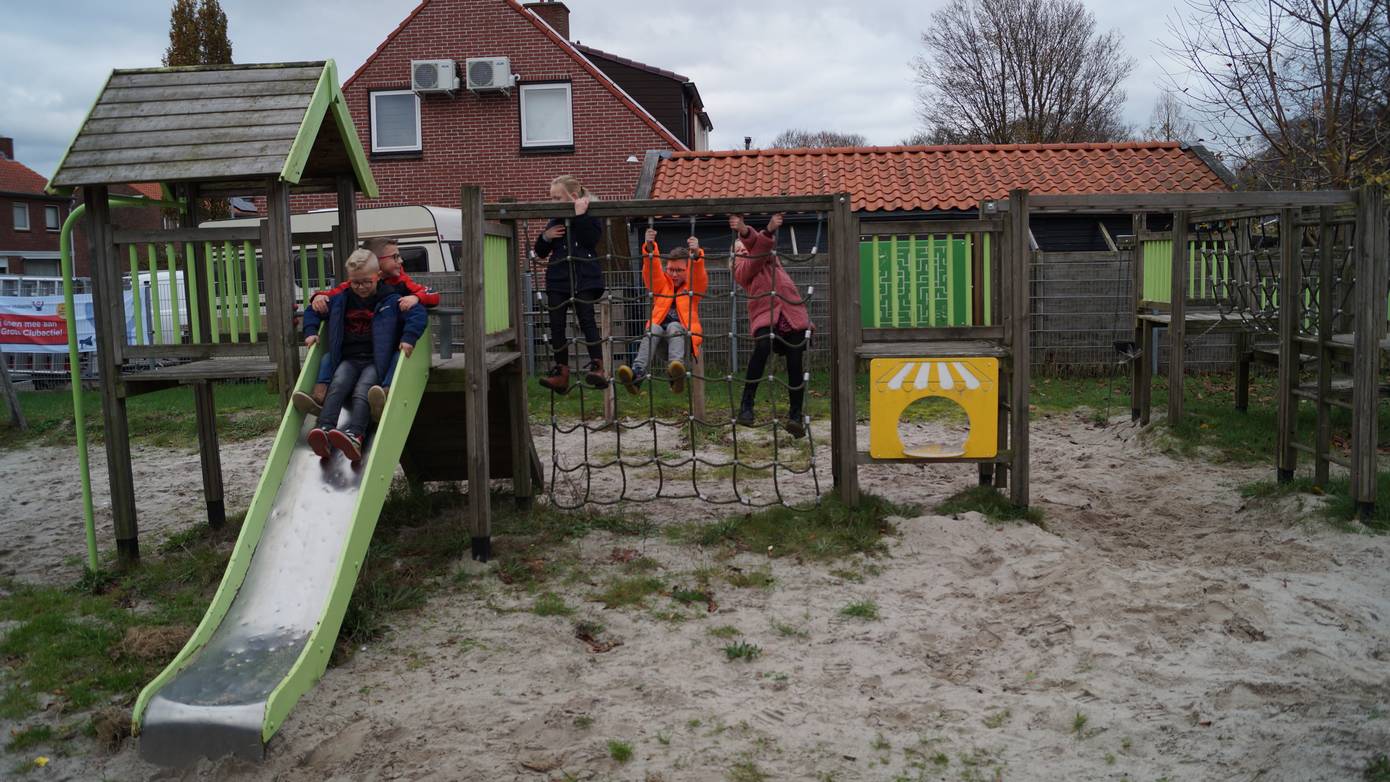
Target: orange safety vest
686	299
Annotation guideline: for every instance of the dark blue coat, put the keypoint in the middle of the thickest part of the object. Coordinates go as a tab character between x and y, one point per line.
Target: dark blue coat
572	260
390	327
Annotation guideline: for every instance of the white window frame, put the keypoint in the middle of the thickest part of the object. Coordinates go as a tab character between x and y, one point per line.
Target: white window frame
419	135
57	213
4	265
20	208
547	143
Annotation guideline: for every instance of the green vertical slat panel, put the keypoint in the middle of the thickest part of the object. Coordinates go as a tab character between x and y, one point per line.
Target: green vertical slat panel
195	315
970	281
304	274
951	281
176	334
989	284
214	301
323	278
1158	270
893	281
156	311
914	303
931	280
868	310
921	275
253	290
231	287
138	298
497	294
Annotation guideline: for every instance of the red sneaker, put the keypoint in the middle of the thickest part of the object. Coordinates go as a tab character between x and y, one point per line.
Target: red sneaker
349	444
318	442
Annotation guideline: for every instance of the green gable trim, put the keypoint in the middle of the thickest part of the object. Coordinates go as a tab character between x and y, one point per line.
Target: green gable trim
328	97
50	189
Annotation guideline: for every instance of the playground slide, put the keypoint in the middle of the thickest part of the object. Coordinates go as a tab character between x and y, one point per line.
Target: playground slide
268	634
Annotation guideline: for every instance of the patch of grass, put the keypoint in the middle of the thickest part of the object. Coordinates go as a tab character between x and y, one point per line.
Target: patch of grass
686	596
1377	769
1340	509
941	759
620	751
746	771
861	609
990	503
825	532
760	578
28	738
1078	725
997	719
627	592
163	418
663	737
724	631
551	604
788	630
583	722
742	650
880	743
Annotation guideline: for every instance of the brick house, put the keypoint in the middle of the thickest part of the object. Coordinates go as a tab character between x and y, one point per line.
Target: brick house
565	114
29	218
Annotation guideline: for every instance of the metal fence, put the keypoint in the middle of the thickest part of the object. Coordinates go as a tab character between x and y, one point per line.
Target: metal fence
43	368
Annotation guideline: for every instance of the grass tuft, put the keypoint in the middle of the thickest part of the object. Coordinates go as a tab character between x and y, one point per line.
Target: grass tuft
861	609
988	502
551	604
620	751
1377	769
629	592
1339	509
742	650
825	532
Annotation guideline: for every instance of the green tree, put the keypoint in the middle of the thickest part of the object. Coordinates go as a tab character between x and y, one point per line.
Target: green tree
198	34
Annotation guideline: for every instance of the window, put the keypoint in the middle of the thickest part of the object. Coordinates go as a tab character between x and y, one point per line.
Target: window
21	217
547	121
51	218
395	121
414	259
5	268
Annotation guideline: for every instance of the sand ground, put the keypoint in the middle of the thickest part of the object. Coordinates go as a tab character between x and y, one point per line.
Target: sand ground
1157	626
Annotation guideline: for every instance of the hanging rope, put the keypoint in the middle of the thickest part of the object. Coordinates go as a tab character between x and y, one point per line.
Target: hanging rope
693	428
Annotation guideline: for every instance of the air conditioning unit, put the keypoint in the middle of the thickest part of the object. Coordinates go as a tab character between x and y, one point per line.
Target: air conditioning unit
433	76
489	73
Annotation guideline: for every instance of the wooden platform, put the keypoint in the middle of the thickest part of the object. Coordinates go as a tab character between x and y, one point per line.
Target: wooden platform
933	349
1348	342
234	368
448	374
1200	316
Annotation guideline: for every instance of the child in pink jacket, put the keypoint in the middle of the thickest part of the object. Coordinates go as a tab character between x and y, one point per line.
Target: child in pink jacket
776	315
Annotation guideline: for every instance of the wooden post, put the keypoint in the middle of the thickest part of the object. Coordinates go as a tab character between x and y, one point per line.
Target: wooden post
345	235
1322	441
845	336
1244	300
11	397
1290	296
475	369
204	404
1372	267
1020	355
1148	347
279	289
523	492
109	308
1136	275
605	331
1177	324
1001	267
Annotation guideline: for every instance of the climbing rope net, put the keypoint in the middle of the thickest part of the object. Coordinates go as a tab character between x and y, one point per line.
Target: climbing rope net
638	454
1238	267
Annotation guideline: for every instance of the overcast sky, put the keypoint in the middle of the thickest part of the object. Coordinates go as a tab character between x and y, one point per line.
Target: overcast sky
761	67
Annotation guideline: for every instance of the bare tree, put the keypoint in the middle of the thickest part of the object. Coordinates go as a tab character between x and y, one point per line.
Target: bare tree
1020	71
1168	122
803	139
1295	89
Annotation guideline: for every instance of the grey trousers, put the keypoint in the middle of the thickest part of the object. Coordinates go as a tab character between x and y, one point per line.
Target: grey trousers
673	333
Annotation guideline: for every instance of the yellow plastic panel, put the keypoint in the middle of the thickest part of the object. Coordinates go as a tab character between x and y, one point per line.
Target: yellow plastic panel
895	383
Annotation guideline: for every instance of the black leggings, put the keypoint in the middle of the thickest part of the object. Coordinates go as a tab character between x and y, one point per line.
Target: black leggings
763	346
584	310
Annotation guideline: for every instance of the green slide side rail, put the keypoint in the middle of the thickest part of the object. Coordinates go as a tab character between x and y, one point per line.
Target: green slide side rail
407	389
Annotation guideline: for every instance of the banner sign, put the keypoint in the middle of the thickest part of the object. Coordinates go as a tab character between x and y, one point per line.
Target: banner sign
38	324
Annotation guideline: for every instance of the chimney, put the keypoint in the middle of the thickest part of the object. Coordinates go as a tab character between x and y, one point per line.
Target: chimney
6	148
554	13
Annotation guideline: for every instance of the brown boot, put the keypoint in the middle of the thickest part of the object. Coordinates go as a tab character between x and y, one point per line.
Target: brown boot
320	393
558	380
593	374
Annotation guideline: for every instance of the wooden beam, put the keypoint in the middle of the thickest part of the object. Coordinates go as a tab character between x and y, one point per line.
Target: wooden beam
929	333
279	290
1290	296
545	210
930	227
1322	437
11	397
1177	326
844	342
1136	291
187	234
109	310
1020	360
475	359
345	234
1114	203
204	403
1372	261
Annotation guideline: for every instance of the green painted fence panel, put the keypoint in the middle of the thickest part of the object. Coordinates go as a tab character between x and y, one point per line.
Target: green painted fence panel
916	281
497	294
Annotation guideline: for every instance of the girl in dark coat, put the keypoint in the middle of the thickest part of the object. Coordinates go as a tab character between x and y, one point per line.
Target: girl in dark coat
572	276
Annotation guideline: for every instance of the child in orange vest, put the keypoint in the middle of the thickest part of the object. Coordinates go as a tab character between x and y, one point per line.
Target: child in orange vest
677	289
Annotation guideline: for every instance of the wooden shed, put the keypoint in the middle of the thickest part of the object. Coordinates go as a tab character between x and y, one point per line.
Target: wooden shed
208	304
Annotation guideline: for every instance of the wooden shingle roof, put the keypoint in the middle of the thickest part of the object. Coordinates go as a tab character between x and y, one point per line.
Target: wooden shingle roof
217	124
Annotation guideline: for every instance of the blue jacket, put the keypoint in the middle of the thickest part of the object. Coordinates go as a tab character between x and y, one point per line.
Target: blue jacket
573	258
390	327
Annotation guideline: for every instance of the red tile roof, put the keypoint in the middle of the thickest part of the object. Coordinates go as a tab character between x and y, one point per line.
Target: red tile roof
15	177
945	177
148	189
